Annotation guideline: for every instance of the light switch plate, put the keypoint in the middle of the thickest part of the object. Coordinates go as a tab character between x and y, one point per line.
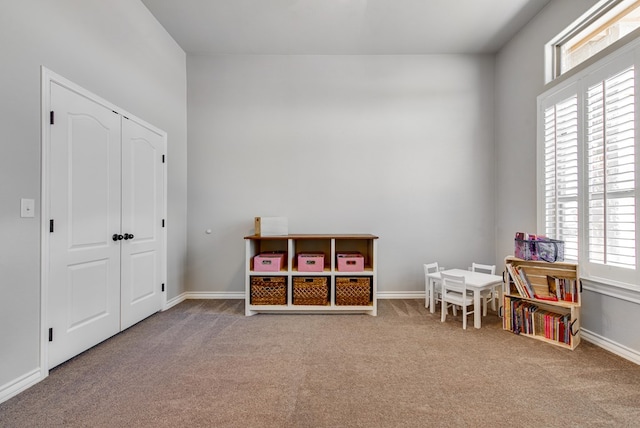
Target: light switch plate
27	208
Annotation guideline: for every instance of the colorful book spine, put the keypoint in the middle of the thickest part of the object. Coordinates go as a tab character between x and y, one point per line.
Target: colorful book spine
517	280
527	318
565	289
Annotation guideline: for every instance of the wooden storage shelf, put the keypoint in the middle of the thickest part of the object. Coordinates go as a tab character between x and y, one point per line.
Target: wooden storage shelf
328	244
552	321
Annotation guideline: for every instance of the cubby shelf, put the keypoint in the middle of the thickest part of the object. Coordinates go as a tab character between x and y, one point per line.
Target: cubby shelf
329	245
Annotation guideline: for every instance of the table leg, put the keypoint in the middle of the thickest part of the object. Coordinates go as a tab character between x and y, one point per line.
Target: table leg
426	294
477	309
432	304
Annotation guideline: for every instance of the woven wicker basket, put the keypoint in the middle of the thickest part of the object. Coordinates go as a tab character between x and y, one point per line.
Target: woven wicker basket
268	290
353	291
310	291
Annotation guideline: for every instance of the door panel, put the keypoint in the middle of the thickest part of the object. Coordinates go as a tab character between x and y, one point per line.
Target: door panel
84	263
88	297
143	285
90	172
142	208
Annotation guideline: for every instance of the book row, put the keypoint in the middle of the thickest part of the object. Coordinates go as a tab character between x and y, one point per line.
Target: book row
527	318
555	289
563	288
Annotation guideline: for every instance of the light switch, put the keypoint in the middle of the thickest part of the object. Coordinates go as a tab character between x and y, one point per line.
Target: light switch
27	207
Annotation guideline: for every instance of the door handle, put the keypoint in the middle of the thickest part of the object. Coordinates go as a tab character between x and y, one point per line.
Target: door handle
116	237
128	236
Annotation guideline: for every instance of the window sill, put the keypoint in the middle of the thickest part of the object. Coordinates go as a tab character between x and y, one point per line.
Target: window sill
612	289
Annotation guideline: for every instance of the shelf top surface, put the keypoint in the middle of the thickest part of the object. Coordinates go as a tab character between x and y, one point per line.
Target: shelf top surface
510	259
313	236
559	303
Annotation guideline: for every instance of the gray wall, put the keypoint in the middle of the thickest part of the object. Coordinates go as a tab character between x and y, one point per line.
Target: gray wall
519	80
397	146
117	50
519	76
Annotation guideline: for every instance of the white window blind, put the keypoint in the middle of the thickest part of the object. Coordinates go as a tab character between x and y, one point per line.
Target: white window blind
610	145
588	134
561	174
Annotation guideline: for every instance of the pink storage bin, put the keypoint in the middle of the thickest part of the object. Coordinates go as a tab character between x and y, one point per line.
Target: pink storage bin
268	262
350	262
310	262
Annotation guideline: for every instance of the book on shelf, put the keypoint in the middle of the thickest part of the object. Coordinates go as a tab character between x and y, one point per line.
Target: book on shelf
525	282
517	280
565	289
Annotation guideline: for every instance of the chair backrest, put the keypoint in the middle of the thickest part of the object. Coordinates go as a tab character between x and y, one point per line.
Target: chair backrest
431	267
477	267
453	283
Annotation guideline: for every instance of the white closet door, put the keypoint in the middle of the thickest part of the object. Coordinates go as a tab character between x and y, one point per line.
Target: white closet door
142	208
84	260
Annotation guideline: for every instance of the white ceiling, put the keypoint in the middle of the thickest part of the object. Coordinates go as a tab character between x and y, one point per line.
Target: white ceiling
343	26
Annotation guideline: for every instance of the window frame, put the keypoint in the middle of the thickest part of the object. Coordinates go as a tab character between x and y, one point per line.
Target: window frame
553	49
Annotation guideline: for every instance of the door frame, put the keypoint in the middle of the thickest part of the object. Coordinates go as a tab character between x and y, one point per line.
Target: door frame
47	77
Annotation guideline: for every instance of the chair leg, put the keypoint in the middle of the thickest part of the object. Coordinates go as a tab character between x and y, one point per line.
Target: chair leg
484	305
443	311
455	310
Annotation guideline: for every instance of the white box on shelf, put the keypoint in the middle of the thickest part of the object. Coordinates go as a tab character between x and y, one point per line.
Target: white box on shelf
271	226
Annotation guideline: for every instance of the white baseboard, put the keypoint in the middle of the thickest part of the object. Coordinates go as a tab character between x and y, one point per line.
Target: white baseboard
611	346
204	295
400	295
212	295
240	295
172	302
16	386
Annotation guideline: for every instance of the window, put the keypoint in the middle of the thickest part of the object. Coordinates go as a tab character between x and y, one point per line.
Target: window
606	23
561	173
610	146
588	128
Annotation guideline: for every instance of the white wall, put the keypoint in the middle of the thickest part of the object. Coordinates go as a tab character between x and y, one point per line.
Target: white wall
397	146
117	50
607	314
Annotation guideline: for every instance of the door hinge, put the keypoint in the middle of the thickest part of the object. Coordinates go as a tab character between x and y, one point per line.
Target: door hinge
162	222
51	335
51	117
162	158
163	286
51	226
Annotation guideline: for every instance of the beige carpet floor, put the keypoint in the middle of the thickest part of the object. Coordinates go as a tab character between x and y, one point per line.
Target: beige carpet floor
204	364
